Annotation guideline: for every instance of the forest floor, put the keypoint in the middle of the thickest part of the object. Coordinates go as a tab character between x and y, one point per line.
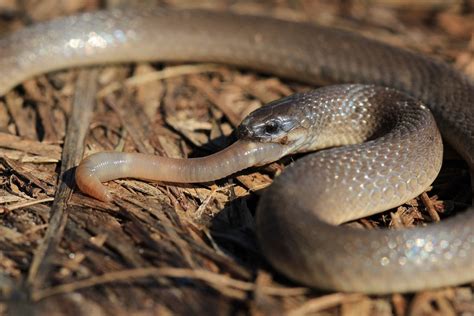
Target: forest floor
185	249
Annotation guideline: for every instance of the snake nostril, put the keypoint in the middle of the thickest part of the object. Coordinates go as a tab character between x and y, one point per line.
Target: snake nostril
243	132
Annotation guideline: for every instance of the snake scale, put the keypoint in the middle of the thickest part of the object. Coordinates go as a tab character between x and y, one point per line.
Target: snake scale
296	217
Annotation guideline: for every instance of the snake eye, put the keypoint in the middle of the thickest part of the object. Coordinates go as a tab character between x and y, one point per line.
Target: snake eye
271	127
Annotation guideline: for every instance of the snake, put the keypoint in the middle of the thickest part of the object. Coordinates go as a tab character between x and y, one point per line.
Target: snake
373	140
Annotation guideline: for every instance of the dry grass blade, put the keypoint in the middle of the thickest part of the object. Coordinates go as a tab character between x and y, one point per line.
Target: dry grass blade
169	72
202	275
72	153
324	302
23	204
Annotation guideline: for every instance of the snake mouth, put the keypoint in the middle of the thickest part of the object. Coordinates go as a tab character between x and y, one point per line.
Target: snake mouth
106	166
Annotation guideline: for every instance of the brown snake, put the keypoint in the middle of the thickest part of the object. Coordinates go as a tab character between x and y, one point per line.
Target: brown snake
296	216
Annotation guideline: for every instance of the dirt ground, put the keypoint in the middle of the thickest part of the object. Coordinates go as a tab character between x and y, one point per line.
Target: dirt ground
191	249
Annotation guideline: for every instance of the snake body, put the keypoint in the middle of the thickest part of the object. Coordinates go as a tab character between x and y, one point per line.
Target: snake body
296	216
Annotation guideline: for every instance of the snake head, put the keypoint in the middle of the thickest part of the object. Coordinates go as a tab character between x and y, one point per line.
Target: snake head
276	122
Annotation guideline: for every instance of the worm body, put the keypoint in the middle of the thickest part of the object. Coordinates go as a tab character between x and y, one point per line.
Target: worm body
105	166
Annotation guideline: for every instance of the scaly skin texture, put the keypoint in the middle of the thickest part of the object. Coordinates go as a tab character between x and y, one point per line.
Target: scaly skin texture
294	239
400	156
